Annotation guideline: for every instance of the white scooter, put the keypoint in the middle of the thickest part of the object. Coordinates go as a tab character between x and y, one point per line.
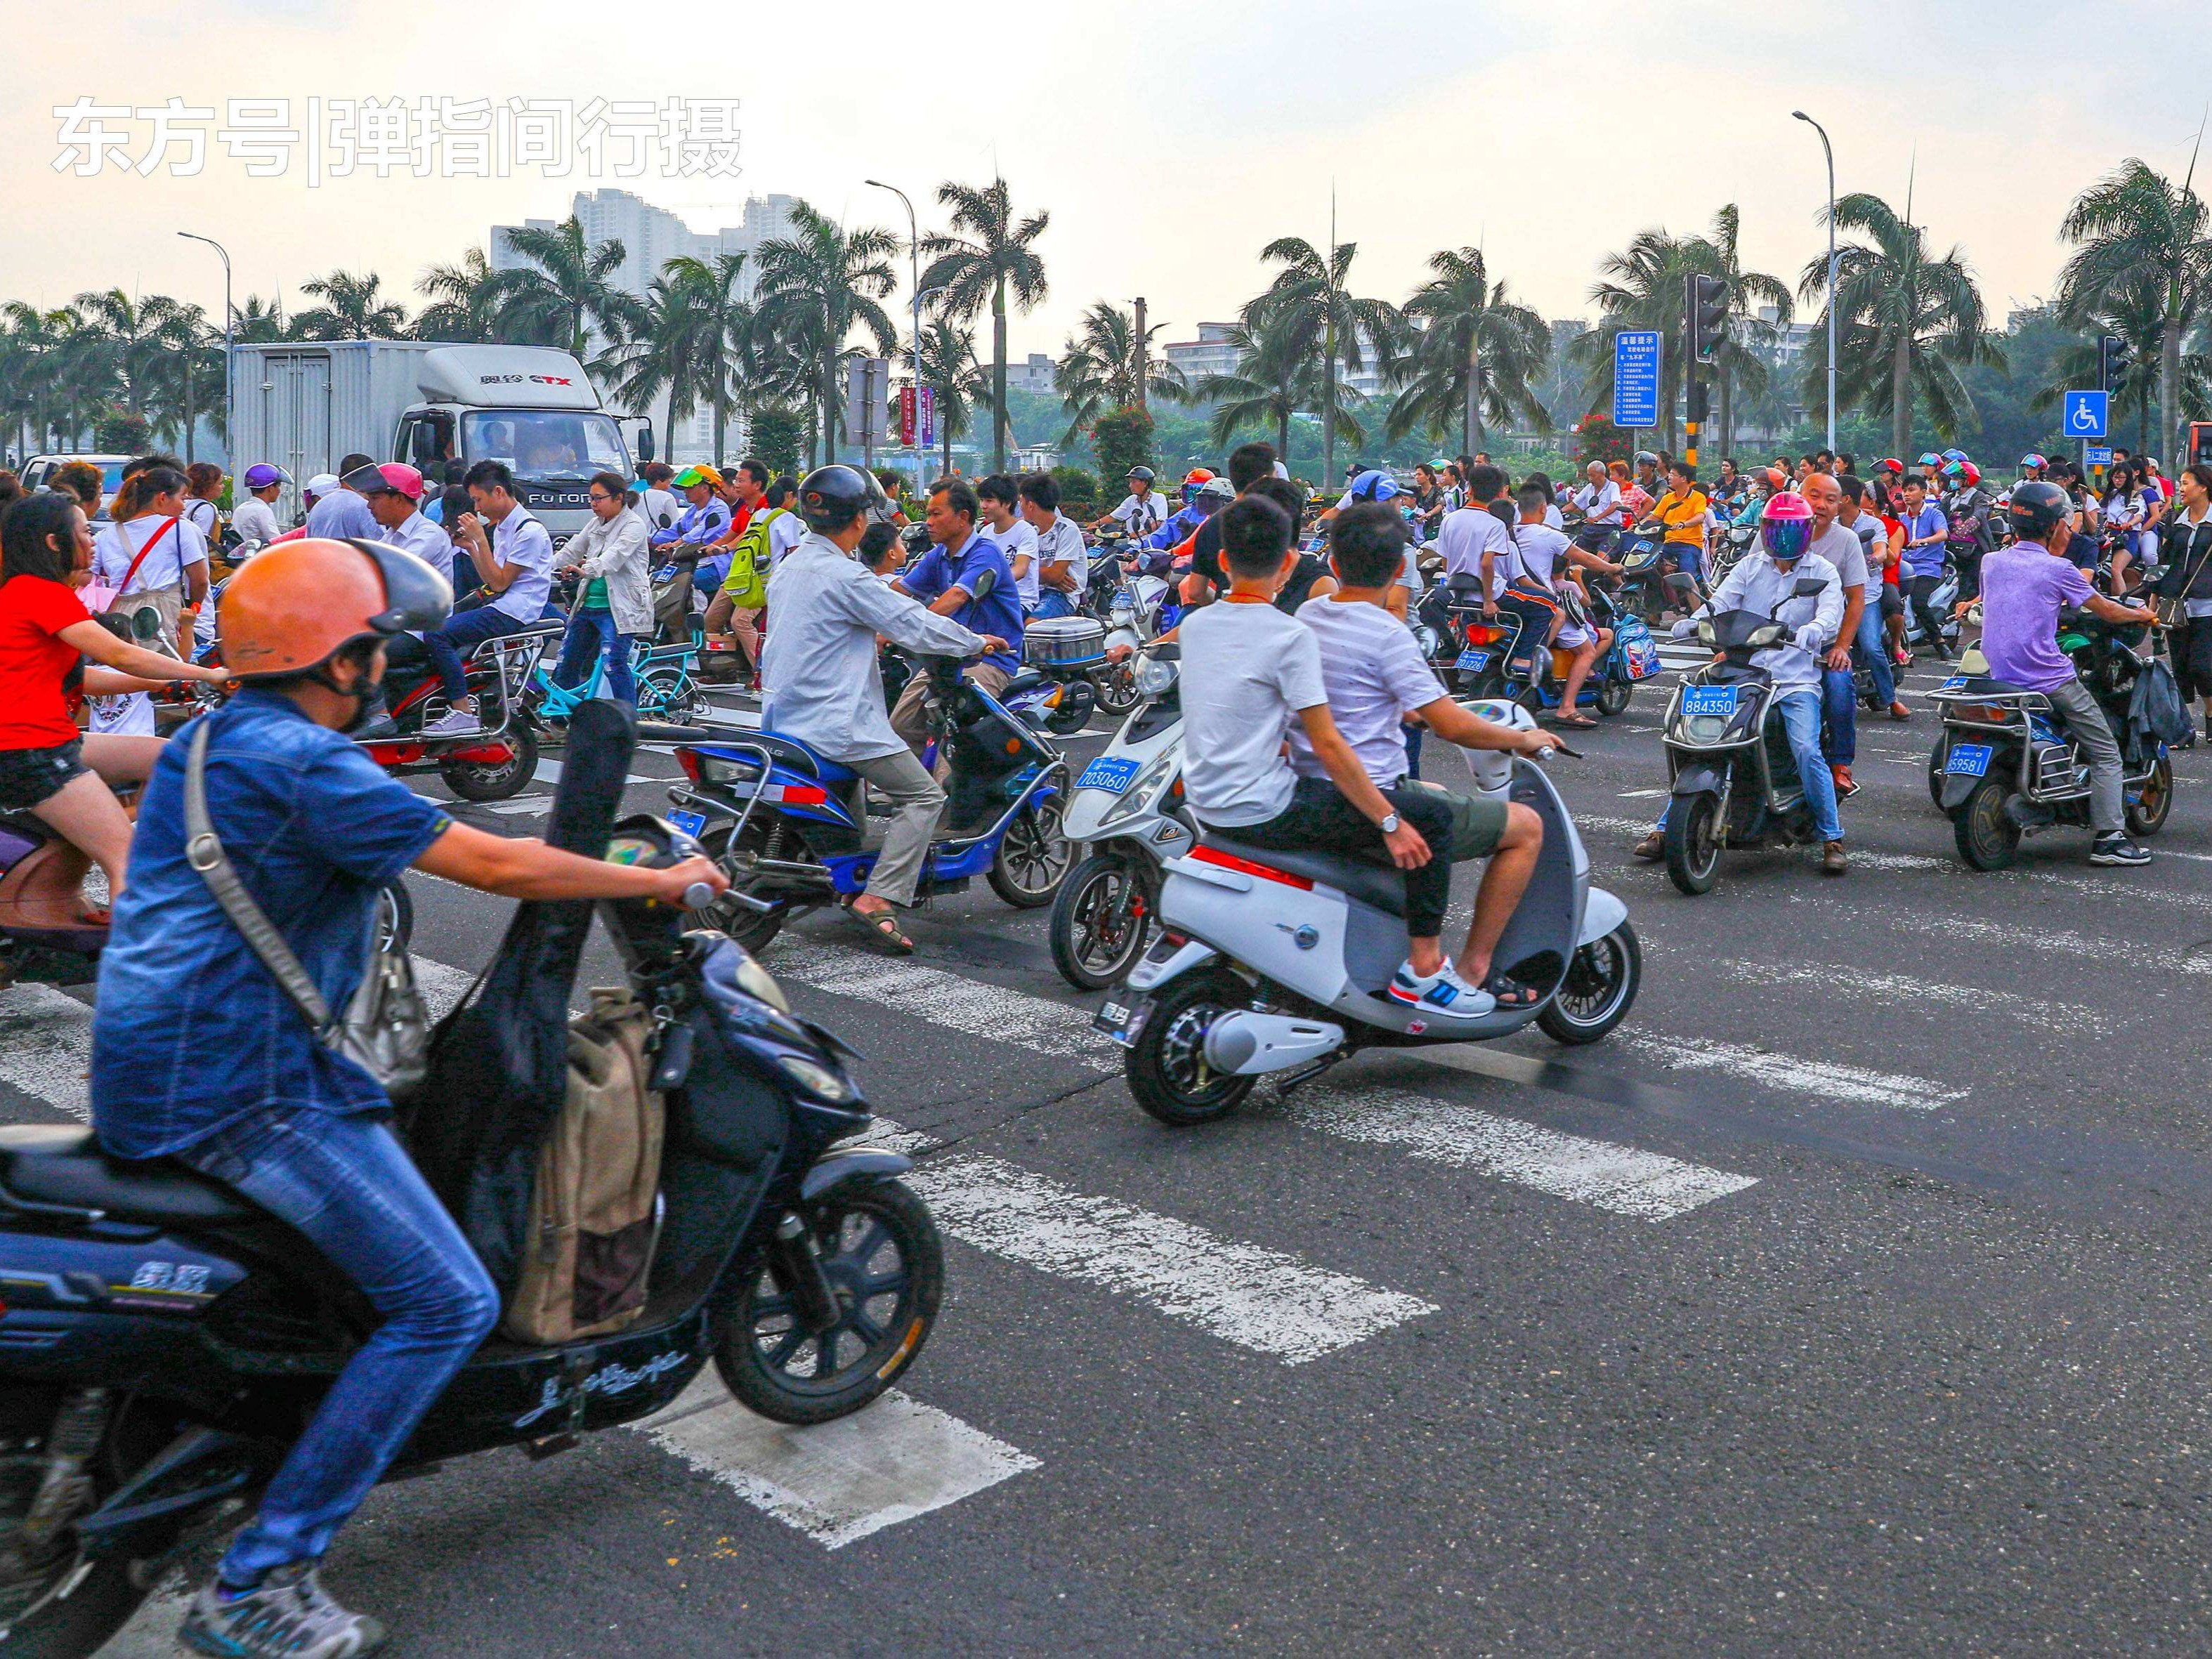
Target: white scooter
1126	806
1273	962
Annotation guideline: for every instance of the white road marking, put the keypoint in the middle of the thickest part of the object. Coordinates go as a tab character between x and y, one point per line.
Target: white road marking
1618	1179
441	986
1269	1301
1644	794
1818	1079
837	1482
1029	1022
1898	987
522	806
46	1046
2051	941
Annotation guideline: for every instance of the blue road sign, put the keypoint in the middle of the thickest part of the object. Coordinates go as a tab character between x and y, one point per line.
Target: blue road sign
2093	456
1636	361
2086	413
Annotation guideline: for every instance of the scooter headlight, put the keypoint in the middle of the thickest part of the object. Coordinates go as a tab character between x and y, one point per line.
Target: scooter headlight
817	1079
1153	676
1155	774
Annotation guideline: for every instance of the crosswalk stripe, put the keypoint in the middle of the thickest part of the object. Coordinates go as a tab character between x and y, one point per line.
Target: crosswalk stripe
1820	1079
1267	1300
837	1482
46	1046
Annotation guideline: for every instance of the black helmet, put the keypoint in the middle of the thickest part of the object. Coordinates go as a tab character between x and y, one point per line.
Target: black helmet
1141	474
831	497
2036	506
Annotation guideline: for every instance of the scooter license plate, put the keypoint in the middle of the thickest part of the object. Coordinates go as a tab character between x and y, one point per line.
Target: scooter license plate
1968	759
1110	774
1699	700
1956	682
1122	1021
1474	660
693	824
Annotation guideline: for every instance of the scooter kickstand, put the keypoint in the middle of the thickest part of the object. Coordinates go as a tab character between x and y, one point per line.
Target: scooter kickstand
1289	1080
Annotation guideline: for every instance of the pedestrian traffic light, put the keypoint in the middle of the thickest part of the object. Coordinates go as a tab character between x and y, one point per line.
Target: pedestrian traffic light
2113	359
1709	307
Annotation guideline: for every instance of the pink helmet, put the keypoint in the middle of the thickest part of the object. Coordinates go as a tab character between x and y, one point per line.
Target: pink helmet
1785	526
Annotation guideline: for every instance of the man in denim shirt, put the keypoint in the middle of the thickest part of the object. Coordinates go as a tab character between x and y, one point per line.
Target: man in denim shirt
199	1054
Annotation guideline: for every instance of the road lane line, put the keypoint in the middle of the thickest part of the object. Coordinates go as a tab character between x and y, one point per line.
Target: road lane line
1269	1301
1822	1080
1619	1179
46	1047
837	1482
1897	987
980	1009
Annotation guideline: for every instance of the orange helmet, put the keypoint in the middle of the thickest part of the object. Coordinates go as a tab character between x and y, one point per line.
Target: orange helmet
296	604
1198	475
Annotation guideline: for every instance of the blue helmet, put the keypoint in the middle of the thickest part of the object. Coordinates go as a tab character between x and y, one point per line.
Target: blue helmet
1954	454
1375	485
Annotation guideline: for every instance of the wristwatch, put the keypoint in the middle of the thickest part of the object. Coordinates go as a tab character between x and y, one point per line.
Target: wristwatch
1390	824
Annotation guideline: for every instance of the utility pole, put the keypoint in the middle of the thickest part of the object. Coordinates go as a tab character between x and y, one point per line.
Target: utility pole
1828	151
913	344
1141	351
230	316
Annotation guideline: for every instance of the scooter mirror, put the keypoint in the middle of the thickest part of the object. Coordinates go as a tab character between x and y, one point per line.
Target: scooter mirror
985	583
147	624
1808	588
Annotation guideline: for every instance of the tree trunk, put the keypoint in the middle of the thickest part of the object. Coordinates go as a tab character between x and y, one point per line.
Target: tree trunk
1900	395
1283	436
1724	431
2169	395
999	375
721	417
1328	407
189	422
1471	417
668	430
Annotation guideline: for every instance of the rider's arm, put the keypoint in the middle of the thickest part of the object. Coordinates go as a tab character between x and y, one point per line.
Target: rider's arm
2098	605
102	646
905	620
1827	617
1408	849
523	867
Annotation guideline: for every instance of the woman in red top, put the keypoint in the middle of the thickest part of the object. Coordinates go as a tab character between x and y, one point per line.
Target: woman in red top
47	767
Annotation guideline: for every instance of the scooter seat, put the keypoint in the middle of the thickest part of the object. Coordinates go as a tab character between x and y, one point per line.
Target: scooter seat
1984	685
1370	884
792	752
1024	679
62	1163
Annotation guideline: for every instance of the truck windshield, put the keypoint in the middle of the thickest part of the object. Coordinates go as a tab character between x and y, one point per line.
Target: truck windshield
544	446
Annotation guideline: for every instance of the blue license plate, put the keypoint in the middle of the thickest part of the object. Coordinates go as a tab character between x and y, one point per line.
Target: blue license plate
1956	682
1474	660
1699	700
1110	774
1968	759
693	824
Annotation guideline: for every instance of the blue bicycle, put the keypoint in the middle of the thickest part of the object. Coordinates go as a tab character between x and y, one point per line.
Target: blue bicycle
666	674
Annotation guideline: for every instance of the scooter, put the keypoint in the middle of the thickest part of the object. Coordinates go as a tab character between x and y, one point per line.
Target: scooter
1943	602
43	937
1731	777
788	824
495	763
2006	766
1276	963
163	1339
1126	811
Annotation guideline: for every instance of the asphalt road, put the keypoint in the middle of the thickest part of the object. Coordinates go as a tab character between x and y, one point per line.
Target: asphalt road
1845	1300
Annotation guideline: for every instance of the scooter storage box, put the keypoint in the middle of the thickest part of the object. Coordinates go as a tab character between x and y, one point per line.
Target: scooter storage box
1064	642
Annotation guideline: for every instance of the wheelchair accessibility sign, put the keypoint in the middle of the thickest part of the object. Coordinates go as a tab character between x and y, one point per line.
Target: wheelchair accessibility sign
2086	413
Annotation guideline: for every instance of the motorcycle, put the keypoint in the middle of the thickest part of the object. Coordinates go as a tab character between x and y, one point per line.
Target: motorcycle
1504	656
1943	602
1126	811
491	764
1731	777
43	937
788	824
1276	963
2005	766
1645	586
163	1339
1070	653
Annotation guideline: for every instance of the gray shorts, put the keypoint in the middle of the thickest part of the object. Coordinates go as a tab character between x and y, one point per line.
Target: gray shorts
1478	821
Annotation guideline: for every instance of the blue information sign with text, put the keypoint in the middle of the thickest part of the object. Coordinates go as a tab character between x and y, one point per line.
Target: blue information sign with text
1636	361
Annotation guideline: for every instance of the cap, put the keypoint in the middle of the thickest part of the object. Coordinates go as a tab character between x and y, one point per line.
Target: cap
396	477
322	484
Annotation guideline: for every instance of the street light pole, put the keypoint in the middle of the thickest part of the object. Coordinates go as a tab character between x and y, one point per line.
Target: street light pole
914	261
1828	151
229	314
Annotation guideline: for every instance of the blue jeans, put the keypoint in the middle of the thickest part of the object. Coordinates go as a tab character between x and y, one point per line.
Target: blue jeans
1874	644
347	1187
462	632
1800	713
1840	703
591	632
1050	603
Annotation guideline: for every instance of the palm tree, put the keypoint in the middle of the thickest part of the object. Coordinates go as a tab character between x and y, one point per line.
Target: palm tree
463	303
1907	322
990	255
1476	356
564	292
1099	363
1642	287
352	308
816	288
1310	298
721	337
188	376
2135	313
259	319
662	355
1276	378
122	341
32	344
2135	228
957	380
1737	363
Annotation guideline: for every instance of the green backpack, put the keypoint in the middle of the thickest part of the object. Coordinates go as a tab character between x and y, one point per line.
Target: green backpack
747	582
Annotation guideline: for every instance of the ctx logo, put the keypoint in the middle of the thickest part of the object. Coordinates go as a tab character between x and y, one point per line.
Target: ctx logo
550	379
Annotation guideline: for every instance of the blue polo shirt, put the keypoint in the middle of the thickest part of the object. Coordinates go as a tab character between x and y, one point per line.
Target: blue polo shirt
1001	613
191	1033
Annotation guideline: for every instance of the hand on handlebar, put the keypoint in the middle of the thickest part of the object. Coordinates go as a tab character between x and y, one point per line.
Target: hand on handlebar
1407	850
1537	745
677	884
993	643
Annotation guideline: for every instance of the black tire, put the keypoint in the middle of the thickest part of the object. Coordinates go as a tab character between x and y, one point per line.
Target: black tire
886	1306
669	694
747	927
1937	758
1987	837
1032	858
1115	688
1693	846
1101	919
1602	978
1532	699
1166	1066
478	780
395	918
1078	699
1614	696
2146	816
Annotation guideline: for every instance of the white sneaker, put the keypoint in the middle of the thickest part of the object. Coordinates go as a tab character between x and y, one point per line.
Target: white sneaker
1443	995
454	723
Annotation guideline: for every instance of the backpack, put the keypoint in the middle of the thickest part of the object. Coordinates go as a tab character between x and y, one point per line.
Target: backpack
747	582
593	1220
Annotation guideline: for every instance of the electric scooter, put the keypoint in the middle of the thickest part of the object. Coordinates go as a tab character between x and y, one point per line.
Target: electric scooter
1270	961
491	764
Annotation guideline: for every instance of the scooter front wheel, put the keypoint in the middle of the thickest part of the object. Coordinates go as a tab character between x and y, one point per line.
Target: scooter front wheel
2150	803
1600	988
1115	688
1166	1067
1693	844
1101	919
883	1264
1614	695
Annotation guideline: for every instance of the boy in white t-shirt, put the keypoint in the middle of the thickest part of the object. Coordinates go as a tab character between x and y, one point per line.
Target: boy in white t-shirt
1249	673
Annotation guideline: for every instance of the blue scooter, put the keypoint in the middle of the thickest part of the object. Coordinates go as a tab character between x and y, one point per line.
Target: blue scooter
788	825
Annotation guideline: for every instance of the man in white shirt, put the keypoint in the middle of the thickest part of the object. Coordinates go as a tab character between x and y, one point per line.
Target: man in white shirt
1063	568
1141	511
1841	547
1375	676
1600	496
394	497
823	684
515	564
1250	673
656	502
1548	558
1001	500
254	518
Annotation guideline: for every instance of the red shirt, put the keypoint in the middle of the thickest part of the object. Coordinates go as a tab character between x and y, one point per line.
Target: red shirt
1890	527
37	670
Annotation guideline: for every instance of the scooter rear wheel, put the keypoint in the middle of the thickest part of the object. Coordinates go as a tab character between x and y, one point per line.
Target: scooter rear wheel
750	928
487	781
2146	810
884	1263
1693	844
1032	858
1166	1066
1987	837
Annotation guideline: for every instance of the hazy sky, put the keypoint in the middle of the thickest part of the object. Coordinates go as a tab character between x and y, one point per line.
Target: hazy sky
1170	143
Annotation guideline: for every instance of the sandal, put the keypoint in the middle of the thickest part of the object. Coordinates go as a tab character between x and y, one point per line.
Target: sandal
93	916
885	926
1510	993
1575	722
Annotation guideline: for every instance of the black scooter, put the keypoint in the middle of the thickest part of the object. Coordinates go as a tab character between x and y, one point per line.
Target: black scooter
163	1341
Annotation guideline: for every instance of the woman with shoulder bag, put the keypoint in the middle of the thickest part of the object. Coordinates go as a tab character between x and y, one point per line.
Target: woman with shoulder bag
614	601
2184	586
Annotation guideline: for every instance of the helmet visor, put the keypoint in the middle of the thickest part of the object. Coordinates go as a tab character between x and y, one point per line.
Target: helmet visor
416	597
1785	539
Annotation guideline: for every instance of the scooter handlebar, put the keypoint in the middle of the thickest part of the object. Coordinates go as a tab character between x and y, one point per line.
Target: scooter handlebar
698	896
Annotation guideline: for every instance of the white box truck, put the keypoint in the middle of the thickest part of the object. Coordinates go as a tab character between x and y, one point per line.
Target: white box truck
306	406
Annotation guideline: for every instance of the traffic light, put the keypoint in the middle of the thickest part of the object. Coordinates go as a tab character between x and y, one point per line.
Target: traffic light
2113	359
1709	308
